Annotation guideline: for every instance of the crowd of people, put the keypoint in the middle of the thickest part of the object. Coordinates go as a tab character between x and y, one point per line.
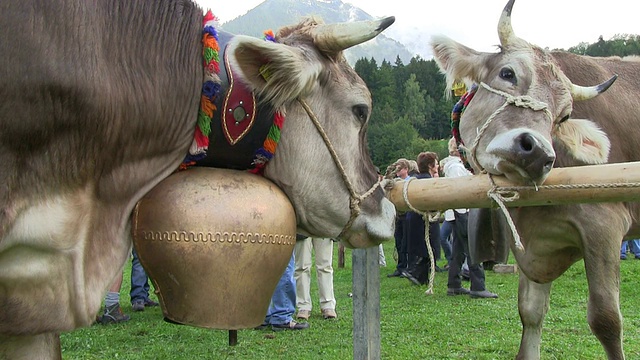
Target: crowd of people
451	237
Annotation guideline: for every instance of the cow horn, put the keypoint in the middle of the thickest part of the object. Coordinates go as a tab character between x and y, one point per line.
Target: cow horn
580	93
505	31
333	38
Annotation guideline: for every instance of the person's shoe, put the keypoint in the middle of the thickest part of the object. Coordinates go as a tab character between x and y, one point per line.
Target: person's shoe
410	277
150	303
457	291
329	314
261	326
112	315
623	258
303	314
396	273
292	325
484	294
137	305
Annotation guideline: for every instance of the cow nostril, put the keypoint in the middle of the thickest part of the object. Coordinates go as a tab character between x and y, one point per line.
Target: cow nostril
527	142
548	165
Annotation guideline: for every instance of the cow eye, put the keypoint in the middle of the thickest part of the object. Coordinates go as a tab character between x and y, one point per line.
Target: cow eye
361	112
508	74
564	119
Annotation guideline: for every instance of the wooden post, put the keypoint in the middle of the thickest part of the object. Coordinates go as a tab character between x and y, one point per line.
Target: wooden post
581	184
366	304
340	255
233	337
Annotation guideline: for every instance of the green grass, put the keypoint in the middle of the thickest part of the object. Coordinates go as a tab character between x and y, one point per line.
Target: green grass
413	325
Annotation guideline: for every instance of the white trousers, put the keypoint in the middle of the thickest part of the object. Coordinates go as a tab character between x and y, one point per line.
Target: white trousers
382	261
324	272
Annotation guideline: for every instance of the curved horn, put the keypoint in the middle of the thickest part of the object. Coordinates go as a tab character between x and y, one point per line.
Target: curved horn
579	93
333	38
505	31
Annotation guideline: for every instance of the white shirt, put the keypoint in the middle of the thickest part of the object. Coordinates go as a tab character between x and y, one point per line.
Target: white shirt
453	167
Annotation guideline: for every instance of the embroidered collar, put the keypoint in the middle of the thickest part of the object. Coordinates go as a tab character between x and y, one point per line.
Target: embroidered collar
237	120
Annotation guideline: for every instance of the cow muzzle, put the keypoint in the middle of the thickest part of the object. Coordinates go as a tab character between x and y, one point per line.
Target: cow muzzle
371	230
521	155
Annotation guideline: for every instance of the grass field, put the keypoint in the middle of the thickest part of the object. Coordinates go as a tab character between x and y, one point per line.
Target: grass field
413	325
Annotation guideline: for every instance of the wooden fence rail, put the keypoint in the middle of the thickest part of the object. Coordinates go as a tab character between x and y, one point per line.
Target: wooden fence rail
583	184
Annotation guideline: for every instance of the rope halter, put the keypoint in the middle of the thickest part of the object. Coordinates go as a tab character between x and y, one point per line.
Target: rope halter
523	101
354	199
496	194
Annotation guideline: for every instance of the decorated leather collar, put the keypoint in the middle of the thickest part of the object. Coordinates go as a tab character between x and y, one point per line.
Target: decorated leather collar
241	135
240	126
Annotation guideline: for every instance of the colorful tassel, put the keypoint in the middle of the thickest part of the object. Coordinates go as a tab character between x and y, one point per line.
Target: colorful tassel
210	89
456	114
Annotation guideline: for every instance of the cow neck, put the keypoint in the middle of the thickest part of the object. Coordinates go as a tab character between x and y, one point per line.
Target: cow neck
245	132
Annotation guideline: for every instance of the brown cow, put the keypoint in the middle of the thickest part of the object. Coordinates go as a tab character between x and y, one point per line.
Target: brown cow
98	103
528	115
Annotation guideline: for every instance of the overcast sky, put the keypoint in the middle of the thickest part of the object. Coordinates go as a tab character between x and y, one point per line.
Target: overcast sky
547	23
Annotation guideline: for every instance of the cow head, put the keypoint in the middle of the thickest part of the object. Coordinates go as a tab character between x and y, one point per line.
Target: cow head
306	66
522	105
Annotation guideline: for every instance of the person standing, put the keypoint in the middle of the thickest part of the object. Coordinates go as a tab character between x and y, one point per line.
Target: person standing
139	292
303	251
112	313
446	233
400	170
283	303
418	255
633	246
453	167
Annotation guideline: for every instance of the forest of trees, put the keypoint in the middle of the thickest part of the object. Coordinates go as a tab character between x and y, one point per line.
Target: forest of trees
411	113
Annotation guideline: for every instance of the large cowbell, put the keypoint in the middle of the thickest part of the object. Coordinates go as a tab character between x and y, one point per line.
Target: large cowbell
215	243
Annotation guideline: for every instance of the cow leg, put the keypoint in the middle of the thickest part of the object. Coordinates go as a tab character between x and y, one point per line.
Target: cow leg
533	304
603	309
43	346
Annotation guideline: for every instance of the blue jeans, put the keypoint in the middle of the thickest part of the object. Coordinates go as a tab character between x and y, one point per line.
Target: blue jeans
283	300
634	247
445	232
139	280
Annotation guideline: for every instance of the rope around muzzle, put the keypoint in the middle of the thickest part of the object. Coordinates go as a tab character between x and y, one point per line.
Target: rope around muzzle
354	199
499	195
523	101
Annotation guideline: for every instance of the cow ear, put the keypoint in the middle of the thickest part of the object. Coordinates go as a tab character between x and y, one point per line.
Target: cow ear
584	140
456	61
277	73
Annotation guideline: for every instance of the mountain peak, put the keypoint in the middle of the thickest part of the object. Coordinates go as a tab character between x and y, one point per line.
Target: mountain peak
274	14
